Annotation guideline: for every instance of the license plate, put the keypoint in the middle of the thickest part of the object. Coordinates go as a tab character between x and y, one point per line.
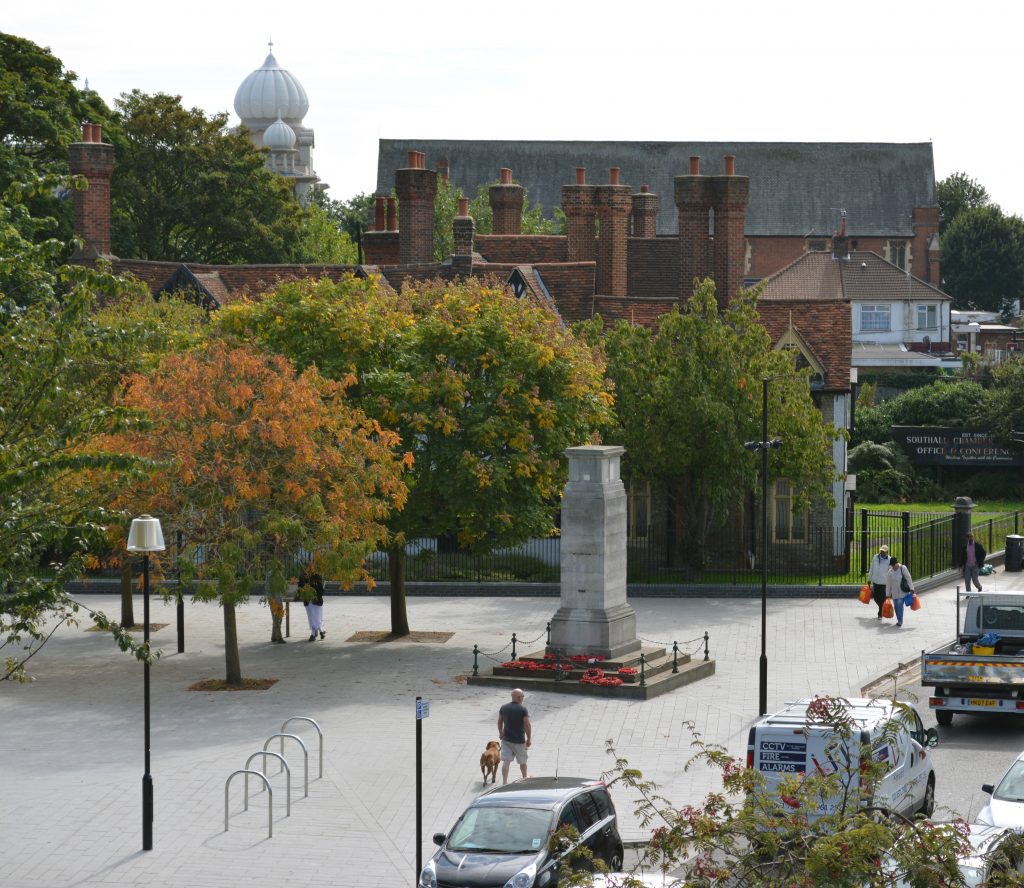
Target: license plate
984	702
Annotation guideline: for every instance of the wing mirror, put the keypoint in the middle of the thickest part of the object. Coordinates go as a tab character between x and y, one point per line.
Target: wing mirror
988	787
931	737
439	838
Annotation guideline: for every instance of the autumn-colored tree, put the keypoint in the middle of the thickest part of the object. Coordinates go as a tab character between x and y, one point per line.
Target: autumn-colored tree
254	458
487	390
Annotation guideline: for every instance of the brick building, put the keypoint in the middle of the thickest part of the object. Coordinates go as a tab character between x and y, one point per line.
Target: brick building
611	261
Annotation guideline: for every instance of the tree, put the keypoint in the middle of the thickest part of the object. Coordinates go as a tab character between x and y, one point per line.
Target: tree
983	259
41	111
956	193
322	241
689	396
955	403
352	215
486	390
59	366
1003	409
818	829
184	189
255	461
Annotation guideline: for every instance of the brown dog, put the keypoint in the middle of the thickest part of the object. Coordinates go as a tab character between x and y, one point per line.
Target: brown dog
489	760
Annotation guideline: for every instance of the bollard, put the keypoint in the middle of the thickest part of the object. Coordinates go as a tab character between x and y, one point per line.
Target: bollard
476	668
643	663
675	657
548	642
513	645
705	646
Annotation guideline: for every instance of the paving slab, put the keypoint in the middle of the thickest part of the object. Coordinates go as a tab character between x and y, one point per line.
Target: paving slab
71	744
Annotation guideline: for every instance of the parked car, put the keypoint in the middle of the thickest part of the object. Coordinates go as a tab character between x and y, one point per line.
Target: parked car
1006	807
993	850
502	840
787	743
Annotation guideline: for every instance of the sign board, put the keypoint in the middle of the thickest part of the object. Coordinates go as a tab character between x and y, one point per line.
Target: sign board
938	446
422	709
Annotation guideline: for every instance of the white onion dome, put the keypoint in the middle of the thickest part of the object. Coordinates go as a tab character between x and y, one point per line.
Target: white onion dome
279	136
269	92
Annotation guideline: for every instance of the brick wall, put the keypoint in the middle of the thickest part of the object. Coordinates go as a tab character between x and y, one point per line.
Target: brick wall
614	204
571	285
580	228
731	194
926	223
769	254
380	247
522	249
653	267
94	160
506	202
416	189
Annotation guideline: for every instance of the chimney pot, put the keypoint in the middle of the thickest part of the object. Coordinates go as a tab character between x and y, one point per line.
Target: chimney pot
613	176
694	165
392	214
92	132
644	189
97	132
413	159
730	164
581	175
463	206
506	176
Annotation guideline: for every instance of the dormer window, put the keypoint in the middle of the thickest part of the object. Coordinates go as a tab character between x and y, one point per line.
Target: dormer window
518	283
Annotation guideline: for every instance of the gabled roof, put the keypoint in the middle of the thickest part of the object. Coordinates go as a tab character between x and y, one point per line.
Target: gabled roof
796	188
820	328
863	276
206	288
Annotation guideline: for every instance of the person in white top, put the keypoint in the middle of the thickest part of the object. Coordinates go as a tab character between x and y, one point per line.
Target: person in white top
877	575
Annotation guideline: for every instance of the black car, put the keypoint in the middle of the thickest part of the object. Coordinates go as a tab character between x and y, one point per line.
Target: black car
502	839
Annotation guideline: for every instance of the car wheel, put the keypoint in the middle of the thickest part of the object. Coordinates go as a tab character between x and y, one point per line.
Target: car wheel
615	864
944	717
928	803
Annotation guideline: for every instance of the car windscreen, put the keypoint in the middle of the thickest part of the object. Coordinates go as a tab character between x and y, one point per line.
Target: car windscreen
1011	787
501	830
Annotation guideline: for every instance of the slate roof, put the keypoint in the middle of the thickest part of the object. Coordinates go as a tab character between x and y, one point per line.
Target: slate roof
796	188
865	275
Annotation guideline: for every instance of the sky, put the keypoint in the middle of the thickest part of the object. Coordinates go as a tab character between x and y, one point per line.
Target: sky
641	71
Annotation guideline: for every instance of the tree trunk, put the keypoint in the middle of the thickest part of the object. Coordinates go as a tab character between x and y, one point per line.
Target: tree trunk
396	574
127	611
231	659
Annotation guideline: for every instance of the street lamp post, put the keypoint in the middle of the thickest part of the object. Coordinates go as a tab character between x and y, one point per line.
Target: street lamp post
764	445
146	536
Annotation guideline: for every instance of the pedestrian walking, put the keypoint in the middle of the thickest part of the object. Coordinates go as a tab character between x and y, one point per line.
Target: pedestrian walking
877	575
972	557
515	733
314	602
898	584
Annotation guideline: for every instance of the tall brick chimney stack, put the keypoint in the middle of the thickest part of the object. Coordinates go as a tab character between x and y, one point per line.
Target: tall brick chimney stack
463	229
392	214
613	202
579	208
379	210
693	199
507	204
416	187
730	195
93	159
645	213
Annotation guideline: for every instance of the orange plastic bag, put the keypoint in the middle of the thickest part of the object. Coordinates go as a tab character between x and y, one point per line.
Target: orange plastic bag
916	606
865	594
888	611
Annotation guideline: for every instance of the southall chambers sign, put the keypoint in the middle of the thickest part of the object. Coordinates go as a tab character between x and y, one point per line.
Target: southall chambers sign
936	446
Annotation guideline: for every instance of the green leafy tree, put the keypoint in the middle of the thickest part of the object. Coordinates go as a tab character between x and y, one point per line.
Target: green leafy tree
486	390
352	215
322	241
689	396
184	189
953	403
41	111
1003	409
983	259
60	364
956	193
818	829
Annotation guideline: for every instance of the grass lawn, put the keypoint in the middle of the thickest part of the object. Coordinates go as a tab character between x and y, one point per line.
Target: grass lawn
996	507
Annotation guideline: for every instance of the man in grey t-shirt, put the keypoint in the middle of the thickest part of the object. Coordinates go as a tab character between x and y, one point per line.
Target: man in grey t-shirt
515	733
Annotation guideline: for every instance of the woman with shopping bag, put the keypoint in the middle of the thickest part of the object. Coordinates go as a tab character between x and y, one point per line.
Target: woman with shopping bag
898	584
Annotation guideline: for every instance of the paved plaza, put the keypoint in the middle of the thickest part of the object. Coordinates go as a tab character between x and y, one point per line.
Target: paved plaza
71	745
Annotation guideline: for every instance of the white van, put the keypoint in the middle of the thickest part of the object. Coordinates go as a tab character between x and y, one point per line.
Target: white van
787	744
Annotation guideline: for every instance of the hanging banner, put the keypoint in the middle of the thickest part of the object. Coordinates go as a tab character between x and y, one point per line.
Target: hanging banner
937	446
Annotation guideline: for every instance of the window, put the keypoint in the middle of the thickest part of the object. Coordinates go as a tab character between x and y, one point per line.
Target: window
789	524
927	317
874	318
817	245
897	253
638	515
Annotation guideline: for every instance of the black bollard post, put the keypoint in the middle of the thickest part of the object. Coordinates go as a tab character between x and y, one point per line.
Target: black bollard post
705	646
476	668
513	645
549	634
643	663
675	657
